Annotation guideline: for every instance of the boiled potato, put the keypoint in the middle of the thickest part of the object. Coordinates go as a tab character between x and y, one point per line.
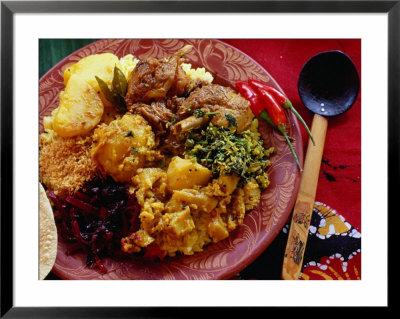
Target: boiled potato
194	197
228	183
80	109
217	229
179	223
224	185
123	146
183	173
101	65
82	103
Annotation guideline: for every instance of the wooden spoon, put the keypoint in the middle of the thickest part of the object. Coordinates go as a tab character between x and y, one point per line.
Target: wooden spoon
328	85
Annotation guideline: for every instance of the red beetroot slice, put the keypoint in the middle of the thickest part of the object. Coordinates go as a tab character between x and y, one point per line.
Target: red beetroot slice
96	218
82	196
85	207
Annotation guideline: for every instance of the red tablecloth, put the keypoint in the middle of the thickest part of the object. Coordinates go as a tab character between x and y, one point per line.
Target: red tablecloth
329	255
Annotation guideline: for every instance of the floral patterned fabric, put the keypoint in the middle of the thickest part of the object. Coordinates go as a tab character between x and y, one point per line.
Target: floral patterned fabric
333	250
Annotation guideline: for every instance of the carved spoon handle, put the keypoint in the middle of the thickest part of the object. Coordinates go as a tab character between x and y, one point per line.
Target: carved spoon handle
301	217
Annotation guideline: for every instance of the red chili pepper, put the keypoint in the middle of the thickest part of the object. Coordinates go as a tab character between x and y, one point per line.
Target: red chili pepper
278	117
278	95
281	99
256	105
274	110
251	95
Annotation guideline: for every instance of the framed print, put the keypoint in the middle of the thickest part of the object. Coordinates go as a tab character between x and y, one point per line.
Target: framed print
168	175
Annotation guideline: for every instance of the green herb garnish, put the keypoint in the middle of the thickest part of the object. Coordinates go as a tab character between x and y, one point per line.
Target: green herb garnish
115	95
226	152
200	113
119	82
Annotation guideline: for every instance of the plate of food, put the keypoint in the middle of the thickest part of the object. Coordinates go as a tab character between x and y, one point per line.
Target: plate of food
155	165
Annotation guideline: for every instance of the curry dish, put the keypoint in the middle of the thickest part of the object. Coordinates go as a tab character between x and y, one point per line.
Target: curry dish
179	158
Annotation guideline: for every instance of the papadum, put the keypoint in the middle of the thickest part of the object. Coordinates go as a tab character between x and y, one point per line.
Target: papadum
47	235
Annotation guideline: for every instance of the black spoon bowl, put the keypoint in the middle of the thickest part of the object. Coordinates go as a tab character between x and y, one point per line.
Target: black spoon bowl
328	86
329	83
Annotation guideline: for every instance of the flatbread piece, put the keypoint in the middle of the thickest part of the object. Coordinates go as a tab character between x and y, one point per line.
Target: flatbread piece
47	235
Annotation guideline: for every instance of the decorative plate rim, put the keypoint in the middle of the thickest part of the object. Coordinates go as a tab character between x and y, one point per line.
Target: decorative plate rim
230	271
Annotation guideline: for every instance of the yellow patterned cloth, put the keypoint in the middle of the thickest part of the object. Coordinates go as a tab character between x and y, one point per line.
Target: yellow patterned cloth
333	250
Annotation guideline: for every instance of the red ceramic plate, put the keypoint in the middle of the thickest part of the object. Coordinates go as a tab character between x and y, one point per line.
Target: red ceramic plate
228	257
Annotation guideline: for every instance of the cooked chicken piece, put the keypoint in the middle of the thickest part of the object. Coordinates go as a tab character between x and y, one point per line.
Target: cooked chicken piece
232	109
182	82
157	114
154	79
174	103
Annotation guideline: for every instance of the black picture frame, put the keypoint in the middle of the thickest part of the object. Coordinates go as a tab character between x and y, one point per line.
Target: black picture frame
9	8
